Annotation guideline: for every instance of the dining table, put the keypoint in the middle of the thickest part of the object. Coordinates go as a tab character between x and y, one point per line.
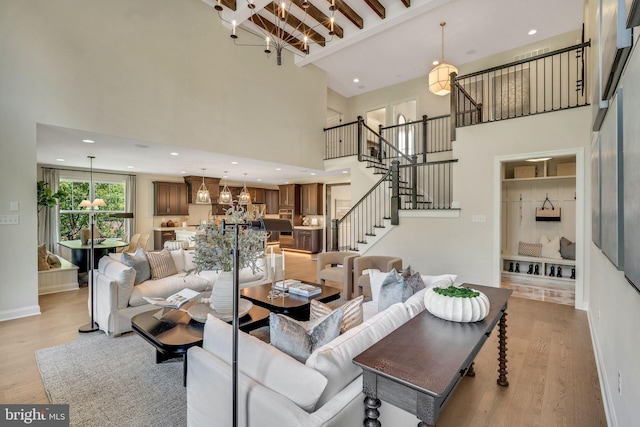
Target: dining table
80	251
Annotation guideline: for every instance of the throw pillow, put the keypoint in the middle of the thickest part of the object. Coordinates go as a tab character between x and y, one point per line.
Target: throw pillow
567	248
415	282
530	249
407	272
53	261
42	257
353	312
394	289
550	248
161	264
429	281
300	339
139	264
375	280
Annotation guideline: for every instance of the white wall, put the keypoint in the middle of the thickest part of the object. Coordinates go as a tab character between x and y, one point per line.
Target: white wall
153	70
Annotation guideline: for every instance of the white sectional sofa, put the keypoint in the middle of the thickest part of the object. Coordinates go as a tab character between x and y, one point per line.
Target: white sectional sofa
277	390
117	299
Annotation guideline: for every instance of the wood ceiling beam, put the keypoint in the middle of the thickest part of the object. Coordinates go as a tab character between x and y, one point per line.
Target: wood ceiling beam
406	3
268	26
348	13
323	19
296	23
377	8
230	4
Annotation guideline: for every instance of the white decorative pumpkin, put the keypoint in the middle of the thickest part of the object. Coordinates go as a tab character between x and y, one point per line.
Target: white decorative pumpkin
455	308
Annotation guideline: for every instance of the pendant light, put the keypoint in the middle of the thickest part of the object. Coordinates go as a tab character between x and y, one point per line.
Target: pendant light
225	195
440	75
245	197
203	197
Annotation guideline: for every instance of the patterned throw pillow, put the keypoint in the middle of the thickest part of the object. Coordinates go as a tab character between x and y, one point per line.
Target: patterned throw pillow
161	264
394	289
567	248
530	249
415	282
353	312
300	339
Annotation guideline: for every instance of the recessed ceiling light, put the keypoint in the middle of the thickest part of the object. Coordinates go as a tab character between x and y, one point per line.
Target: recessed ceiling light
88	141
436	62
234	163
539	159
130	167
183	171
174	154
59	160
532	32
313	173
278	169
259	179
356	80
345	171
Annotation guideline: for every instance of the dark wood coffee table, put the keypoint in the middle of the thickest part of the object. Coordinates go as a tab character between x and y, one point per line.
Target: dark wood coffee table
295	306
417	366
176	332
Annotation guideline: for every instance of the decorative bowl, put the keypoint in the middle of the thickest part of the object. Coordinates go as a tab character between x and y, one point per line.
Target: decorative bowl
457	309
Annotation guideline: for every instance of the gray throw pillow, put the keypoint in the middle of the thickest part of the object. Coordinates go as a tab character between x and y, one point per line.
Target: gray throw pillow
567	248
415	282
139	264
407	272
300	339
394	289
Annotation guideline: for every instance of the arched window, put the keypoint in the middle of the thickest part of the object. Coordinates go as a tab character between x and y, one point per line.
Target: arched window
405	136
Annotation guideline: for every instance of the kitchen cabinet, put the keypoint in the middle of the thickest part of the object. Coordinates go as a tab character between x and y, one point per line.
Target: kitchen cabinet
257	195
289	196
170	198
307	240
271	200
311	199
161	236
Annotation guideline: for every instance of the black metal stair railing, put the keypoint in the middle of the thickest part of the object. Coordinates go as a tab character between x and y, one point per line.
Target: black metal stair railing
550	82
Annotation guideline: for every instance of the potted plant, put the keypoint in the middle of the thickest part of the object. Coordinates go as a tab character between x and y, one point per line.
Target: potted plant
456	303
214	251
46	199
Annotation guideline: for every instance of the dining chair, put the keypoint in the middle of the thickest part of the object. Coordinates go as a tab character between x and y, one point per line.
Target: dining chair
133	244
142	243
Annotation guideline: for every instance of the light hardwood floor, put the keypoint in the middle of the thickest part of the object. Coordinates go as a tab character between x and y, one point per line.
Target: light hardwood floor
551	366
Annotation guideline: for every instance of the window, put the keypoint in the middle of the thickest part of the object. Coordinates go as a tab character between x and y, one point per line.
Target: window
73	218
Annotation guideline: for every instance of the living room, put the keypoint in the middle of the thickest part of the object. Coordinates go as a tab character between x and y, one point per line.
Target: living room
154	89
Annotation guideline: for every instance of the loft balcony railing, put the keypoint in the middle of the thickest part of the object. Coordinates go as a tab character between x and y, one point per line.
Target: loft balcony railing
402	186
550	82
420	137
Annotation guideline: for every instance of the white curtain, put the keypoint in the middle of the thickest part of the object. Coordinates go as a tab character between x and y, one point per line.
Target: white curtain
130	203
49	231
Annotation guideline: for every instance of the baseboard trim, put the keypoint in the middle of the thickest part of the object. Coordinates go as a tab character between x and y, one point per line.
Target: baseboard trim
17	313
609	411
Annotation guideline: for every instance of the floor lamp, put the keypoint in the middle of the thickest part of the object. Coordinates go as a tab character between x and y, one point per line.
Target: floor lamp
91	206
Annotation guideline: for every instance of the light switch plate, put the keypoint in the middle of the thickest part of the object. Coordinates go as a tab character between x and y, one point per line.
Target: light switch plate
14	206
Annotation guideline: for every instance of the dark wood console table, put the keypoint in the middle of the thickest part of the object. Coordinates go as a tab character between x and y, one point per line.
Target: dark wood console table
418	366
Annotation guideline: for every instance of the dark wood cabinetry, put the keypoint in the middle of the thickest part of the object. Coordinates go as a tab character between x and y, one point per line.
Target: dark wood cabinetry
170	198
311	199
161	236
257	195
289	196
307	240
271	200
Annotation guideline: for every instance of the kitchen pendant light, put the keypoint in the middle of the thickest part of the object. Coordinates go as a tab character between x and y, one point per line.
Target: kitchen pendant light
245	196
203	197
225	195
440	75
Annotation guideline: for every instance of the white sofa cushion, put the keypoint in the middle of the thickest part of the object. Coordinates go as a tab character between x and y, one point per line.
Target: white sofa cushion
265	364
167	286
334	359
178	259
415	303
125	277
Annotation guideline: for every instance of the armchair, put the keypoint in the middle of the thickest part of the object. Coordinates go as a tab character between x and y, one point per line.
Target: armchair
337	267
380	262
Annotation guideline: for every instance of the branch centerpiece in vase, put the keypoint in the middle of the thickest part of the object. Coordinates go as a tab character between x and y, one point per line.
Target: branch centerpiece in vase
457	303
215	247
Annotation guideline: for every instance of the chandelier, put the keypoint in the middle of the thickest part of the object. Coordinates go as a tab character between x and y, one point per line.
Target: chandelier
440	75
225	197
279	27
245	197
203	197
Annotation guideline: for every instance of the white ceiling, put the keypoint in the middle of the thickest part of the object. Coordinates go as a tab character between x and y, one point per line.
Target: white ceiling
398	48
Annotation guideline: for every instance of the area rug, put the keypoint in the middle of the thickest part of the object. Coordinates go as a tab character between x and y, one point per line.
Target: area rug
114	382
